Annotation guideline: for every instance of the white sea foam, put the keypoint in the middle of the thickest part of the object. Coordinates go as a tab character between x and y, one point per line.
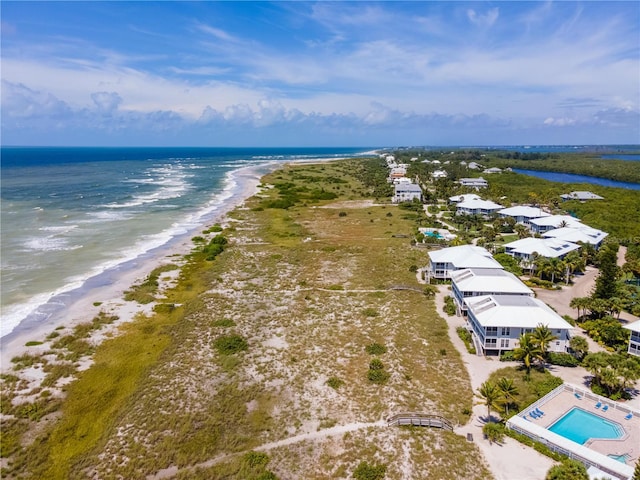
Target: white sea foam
39	304
106	216
50	243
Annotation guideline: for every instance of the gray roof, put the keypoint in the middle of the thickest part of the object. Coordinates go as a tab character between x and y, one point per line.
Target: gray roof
581	195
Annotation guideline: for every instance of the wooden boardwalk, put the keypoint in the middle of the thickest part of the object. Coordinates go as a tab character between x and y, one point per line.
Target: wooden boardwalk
420	420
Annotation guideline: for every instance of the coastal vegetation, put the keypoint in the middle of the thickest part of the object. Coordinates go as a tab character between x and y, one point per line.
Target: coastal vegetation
306	290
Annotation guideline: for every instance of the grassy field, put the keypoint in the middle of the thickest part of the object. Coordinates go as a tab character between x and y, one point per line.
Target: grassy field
308	288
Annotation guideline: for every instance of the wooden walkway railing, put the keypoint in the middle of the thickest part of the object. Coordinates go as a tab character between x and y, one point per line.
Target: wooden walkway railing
420	420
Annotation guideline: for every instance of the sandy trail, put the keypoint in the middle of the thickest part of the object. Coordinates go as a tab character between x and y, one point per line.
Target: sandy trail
317	435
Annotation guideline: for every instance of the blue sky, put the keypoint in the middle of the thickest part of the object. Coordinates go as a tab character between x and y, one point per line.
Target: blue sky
320	73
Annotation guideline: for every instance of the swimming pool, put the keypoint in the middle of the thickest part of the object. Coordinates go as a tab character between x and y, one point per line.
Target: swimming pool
579	426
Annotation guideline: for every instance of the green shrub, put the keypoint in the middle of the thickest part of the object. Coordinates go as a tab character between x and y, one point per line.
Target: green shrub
376	364
375	349
562	359
224	322
465	336
26	360
377	373
449	306
494	432
230	344
32	343
568	470
164	308
507	356
342	214
365	471
370	312
335	382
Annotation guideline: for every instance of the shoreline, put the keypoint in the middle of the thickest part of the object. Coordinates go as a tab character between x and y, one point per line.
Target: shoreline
107	288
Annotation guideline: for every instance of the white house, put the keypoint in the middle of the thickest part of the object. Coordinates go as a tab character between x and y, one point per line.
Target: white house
402	181
582	234
498	321
544	224
581	195
478	207
442	263
525	248
474	182
438	173
474	166
464	198
523	214
492	170
634	338
477	282
406	192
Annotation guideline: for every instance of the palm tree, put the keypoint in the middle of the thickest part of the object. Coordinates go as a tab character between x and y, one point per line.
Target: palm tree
508	391
555	267
543	266
521	230
577	303
528	351
615	306
579	345
490	393
542	336
572	262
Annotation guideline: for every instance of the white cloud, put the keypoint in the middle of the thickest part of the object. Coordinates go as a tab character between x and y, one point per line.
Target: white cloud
485	21
106	102
559	122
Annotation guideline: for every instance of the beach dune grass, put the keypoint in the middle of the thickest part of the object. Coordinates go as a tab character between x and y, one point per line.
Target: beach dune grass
274	289
95	399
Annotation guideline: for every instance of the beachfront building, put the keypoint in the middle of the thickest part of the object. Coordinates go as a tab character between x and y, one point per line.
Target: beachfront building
580	195
442	263
474	182
406	192
527	249
464	198
523	213
485	208
544	224
497	321
402	181
583	234
634	338
397	172
477	282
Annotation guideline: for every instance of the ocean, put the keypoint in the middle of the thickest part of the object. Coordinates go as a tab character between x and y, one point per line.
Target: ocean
72	217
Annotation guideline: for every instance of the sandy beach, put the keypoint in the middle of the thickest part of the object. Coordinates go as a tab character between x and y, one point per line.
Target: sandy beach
105	292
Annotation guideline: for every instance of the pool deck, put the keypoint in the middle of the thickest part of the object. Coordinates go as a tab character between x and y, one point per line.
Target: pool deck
556	407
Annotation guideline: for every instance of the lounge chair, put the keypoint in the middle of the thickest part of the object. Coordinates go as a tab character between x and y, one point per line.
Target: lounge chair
598	405
533	415
629	416
539	412
577	395
605	408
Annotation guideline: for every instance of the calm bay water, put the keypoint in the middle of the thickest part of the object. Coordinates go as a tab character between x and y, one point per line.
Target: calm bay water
574	178
70	214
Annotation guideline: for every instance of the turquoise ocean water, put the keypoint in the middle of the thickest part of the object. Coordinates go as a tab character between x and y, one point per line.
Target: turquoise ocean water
71	217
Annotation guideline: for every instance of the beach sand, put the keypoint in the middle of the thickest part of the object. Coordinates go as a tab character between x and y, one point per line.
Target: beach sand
108	292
